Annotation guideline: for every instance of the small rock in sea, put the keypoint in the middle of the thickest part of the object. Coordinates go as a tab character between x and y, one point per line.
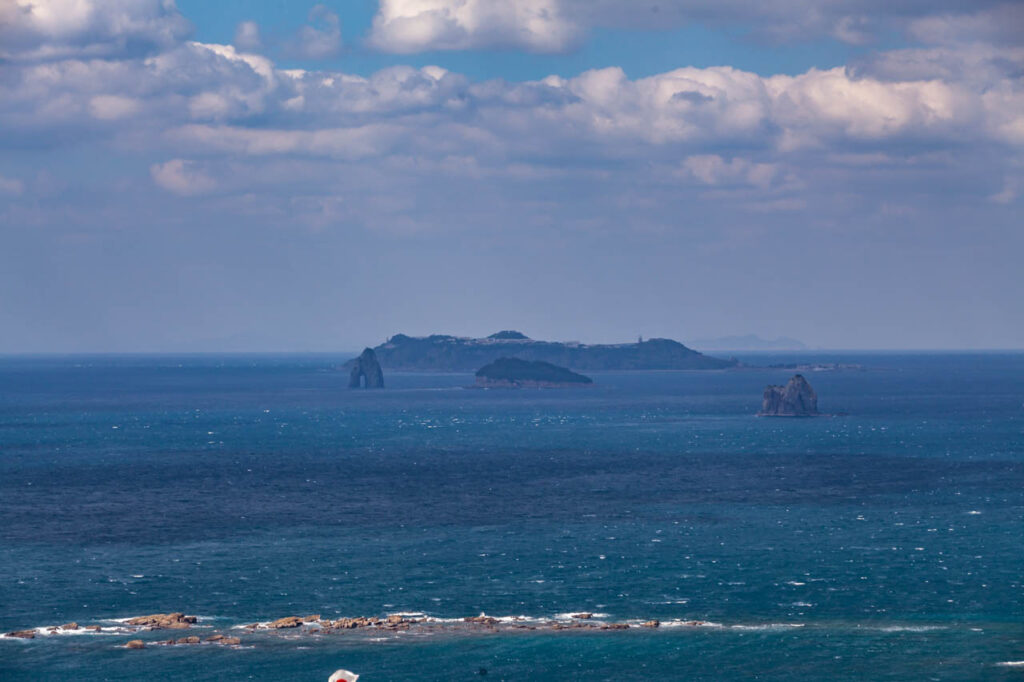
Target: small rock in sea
795	399
615	626
22	634
163	621
312	619
69	626
93	628
652	624
135	644
286	622
583	616
231	641
214	638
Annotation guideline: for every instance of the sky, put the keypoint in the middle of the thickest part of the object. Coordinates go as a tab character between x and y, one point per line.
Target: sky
286	176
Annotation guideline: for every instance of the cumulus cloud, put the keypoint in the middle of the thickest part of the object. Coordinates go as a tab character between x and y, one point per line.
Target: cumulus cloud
247	37
54	29
182	177
405	26
320	38
712	169
11	186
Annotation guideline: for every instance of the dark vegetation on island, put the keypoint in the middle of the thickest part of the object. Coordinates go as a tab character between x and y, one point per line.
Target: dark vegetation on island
443	353
515	373
795	399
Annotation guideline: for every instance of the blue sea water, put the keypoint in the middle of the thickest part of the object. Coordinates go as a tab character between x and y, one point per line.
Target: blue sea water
882	544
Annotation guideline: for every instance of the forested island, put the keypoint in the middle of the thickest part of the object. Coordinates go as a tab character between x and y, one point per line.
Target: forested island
443	353
517	373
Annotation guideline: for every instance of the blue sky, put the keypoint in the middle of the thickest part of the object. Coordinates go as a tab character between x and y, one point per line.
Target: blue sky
281	176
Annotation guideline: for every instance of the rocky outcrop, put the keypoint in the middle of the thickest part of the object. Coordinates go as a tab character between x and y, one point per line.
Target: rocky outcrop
163	621
795	399
366	371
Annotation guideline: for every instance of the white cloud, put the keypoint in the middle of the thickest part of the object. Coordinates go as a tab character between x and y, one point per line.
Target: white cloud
320	38
182	177
53	29
11	186
405	26
247	37
712	169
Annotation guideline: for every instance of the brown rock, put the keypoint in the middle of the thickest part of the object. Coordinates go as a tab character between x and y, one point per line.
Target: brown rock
69	626
214	638
615	626
135	644
93	628
311	619
163	621
22	634
481	620
231	641
652	624
586	615
395	620
286	622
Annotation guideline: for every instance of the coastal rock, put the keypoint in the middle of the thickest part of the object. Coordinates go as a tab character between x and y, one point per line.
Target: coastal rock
135	644
586	615
231	641
69	626
615	626
285	623
795	399
93	628
652	624
22	634
366	372
163	621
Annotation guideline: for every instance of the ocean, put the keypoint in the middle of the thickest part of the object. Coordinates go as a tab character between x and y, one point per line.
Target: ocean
881	543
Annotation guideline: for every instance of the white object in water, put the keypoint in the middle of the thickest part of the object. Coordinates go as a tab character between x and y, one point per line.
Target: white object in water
343	676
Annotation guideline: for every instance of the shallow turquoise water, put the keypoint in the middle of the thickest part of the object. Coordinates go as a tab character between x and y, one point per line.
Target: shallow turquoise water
883	544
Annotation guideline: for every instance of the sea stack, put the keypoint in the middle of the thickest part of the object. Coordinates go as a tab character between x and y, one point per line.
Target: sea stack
366	371
795	399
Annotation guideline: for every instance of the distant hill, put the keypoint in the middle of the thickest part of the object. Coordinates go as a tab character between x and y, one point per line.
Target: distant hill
517	373
444	353
748	342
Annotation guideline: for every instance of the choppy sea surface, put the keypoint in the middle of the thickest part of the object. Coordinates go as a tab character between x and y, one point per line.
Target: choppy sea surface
884	543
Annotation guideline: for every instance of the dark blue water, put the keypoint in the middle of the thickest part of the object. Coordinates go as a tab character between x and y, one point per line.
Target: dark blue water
882	544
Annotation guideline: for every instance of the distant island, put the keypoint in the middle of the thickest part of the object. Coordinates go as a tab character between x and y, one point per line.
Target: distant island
518	373
442	353
748	342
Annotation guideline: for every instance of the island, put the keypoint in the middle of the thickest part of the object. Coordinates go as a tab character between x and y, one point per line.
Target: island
518	373
795	399
444	353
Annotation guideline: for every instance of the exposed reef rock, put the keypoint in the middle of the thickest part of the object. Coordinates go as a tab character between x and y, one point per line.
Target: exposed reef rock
517	373
163	621
795	399
366	371
443	353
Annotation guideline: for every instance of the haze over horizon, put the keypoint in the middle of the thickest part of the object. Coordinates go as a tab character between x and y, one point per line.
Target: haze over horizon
265	176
